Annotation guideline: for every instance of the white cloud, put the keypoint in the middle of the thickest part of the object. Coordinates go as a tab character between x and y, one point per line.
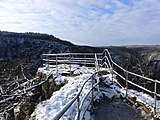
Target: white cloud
91	22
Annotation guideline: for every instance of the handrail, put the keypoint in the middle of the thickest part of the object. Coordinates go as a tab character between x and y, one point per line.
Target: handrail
126	70
110	61
66	107
74	58
78	115
87	59
69	54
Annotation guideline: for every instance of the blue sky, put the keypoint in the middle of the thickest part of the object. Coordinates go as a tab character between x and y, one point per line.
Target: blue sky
86	22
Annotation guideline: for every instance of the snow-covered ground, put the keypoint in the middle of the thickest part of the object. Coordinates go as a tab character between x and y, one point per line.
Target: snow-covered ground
48	108
145	99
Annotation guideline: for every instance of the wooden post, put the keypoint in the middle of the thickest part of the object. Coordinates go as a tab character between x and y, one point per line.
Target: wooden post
155	97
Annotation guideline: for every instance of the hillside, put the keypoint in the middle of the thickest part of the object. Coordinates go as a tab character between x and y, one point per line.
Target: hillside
26	49
143	60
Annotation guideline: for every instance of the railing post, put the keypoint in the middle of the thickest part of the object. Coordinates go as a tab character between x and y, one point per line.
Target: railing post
105	60
47	61
96	63
56	64
112	71
78	110
155	98
126	83
92	89
70	64
85	59
101	60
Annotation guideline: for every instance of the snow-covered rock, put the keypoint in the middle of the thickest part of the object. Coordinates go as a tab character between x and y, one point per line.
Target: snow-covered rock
47	109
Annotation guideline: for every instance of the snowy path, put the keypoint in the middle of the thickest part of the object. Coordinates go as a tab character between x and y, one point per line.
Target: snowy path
115	110
111	106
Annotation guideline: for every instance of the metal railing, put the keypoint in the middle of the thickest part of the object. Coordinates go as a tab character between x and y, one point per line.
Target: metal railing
80	102
107	61
69	58
87	59
98	60
53	60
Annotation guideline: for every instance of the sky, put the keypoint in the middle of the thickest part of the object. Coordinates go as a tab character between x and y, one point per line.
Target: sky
86	22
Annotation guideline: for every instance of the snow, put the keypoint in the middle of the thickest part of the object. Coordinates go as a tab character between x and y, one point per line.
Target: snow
45	70
141	96
146	99
60	79
113	90
48	108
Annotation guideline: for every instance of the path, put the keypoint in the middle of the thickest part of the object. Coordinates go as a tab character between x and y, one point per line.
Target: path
115	110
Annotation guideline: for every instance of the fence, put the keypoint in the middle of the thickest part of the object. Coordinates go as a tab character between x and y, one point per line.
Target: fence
69	58
107	61
100	60
52	60
87	59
